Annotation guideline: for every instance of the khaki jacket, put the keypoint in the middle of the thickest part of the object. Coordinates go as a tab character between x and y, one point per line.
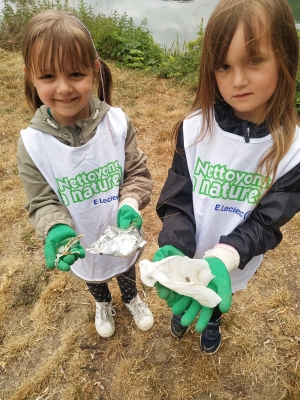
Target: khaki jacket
43	206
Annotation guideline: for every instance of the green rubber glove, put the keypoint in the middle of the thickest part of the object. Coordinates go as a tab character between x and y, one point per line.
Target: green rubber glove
167	251
127	217
164	293
221	284
55	235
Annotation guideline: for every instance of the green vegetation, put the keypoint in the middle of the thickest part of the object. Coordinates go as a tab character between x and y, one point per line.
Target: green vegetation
117	39
28	292
29	240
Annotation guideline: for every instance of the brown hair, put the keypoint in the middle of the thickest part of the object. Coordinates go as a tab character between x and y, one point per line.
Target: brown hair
64	37
257	16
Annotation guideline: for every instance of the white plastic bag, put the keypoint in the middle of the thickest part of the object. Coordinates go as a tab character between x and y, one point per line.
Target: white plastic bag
183	275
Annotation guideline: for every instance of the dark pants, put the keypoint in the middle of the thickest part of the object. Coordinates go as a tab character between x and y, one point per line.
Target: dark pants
127	285
216	314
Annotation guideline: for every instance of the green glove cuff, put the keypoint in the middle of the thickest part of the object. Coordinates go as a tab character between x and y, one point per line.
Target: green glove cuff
167	251
127	217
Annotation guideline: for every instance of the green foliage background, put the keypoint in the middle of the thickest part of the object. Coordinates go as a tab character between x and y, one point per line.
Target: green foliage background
118	39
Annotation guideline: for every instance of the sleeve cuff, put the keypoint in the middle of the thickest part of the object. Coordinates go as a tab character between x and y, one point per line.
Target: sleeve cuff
130	201
227	254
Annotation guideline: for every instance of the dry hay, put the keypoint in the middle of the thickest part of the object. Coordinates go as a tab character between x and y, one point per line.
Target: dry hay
49	346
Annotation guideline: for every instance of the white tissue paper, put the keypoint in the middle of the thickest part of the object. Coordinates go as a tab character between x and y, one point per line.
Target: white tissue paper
186	276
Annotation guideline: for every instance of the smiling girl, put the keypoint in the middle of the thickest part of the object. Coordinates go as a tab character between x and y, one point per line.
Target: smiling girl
79	161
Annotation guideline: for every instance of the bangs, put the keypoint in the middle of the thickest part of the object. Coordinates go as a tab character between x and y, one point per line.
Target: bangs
254	27
65	48
220	45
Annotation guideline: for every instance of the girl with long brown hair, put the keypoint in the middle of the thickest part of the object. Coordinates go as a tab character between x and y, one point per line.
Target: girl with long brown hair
235	176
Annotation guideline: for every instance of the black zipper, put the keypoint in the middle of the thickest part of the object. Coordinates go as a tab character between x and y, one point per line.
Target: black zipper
246	132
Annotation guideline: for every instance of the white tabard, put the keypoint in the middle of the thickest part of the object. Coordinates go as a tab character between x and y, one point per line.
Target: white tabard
226	186
87	180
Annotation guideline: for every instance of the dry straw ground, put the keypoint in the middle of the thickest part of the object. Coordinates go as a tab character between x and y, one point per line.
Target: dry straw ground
49	349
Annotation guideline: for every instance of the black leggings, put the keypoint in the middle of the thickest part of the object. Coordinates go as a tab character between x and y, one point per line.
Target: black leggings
127	285
216	314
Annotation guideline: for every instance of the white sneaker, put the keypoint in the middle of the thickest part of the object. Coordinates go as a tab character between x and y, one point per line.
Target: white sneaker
142	315
104	322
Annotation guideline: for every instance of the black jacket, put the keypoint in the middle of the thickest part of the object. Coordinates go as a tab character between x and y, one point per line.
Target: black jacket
259	233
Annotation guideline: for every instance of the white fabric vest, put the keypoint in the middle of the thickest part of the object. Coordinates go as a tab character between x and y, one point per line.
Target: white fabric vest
87	180
225	186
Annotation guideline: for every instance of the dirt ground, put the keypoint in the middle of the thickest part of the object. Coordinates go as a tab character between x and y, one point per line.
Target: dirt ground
49	348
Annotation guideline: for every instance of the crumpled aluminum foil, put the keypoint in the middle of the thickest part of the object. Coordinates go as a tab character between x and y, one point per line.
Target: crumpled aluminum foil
117	242
65	247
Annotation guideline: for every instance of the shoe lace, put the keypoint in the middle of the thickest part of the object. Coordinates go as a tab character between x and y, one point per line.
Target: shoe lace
105	312
139	308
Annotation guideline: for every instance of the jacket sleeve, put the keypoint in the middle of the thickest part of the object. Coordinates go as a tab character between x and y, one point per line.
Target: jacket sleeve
261	231
137	181
175	205
43	206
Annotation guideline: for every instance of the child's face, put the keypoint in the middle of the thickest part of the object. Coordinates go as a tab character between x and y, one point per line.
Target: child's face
67	95
247	84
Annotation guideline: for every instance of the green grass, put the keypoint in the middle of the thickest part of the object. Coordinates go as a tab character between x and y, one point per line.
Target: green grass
29	240
28	292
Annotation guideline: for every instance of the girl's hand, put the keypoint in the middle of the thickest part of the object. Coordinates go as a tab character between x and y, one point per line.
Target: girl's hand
164	293
57	234
127	217
167	251
220	284
128	214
